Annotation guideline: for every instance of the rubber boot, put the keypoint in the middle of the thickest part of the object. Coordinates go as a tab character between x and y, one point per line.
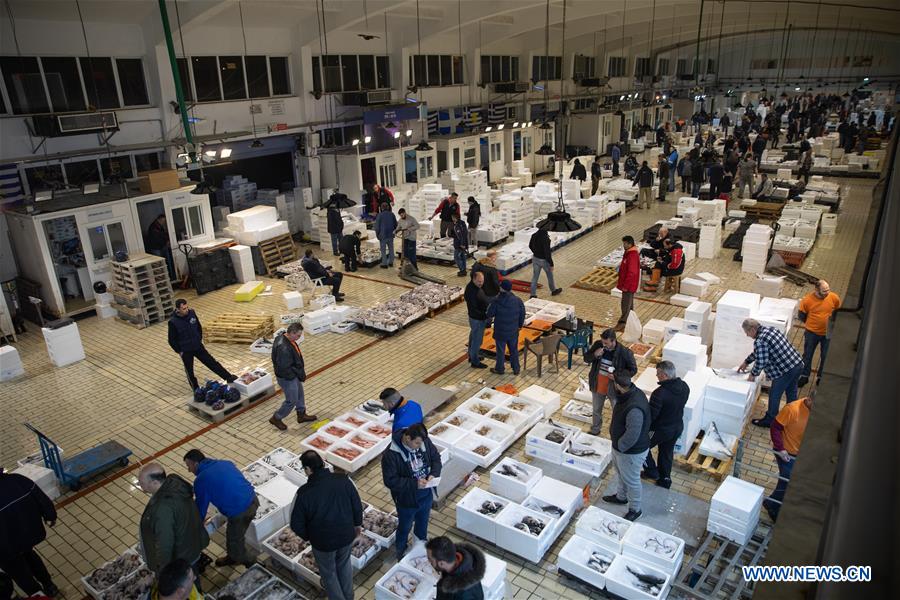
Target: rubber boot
652	285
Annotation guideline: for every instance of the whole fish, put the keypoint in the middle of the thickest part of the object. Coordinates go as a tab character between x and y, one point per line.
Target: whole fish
579	452
717	438
646	578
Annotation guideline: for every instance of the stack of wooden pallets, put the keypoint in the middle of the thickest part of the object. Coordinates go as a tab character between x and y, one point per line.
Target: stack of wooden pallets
142	292
238	328
276	252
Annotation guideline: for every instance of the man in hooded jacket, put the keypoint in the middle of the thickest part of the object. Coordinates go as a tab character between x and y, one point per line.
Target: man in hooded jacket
461	566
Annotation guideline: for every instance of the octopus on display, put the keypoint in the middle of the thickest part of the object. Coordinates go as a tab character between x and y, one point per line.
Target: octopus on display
380	523
289	543
112	572
361	545
482	450
132	588
403	584
309	561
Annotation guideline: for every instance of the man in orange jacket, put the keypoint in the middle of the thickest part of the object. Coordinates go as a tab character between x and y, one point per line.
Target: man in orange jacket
629	276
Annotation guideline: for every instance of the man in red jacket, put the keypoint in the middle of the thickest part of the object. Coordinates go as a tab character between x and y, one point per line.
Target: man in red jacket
629	276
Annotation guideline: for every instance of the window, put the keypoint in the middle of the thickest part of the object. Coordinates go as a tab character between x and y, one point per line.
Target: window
617	66
367	72
426	167
663	67
24	84
106	240
526	145
681	67
455	158
233	85
436	70
132	82
146	162
45	177
257	76
184	73
316	75
499	69
710	67
331	72
100	82
281	75
383	72
584	66
350	72
388	175
584	104
546	68
187	221
495	152
118	166
206	78
63	83
82	171
469	159
642	67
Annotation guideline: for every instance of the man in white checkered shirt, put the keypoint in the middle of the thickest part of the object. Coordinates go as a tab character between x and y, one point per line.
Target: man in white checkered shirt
774	354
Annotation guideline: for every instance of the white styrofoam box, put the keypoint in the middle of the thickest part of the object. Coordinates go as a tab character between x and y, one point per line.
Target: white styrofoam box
621	582
683	299
690	250
596	463
280	490
253	238
574	556
254	387
737	499
424	590
242	262
270	518
318	442
768	286
469	519
709	278
10	363
493	584
293	300
64	345
566	496
685	352
523	543
697	313
729	392
603	528
537	437
666	555
492	396
738	536
710	447
529	409
252	219
497	432
477	406
416	560
447	433
42	476
692	415
515	488
543	454
512	419
467	445
653	331
549	399
673	326
694	287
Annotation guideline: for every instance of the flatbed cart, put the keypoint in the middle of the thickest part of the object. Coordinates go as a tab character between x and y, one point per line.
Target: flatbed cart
83	465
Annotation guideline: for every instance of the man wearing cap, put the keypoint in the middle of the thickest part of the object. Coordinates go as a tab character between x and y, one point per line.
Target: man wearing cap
406	412
507	313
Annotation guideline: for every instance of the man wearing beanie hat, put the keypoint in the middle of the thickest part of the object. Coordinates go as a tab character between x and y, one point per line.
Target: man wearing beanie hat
507	313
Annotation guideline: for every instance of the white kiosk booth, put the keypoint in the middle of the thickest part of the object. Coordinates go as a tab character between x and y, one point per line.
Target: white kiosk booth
463	152
594	130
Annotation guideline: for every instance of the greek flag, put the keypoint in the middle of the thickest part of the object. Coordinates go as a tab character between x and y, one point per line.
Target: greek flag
497	114
10	185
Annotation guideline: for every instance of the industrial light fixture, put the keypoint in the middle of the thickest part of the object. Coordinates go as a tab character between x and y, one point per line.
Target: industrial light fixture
545	126
865	79
516	124
545	150
43	195
90	188
396	135
390	125
225	153
203	187
529	123
182	159
619	113
355	142
500	126
210	153
488	129
367	139
408	132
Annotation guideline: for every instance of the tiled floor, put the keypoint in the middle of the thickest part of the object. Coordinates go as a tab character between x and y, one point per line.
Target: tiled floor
131	388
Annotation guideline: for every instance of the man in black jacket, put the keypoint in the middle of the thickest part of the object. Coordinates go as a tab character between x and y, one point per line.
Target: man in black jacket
663	173
716	173
630	435
488	267
290	372
24	508
644	180
315	270
596	174
473	217
606	357
328	514
578	171
460	234
186	338
157	243
335	225
351	249
542	260
476	305
461	566
667	416
409	468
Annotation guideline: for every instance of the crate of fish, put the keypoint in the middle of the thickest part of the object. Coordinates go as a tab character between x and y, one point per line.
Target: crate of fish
353	419
278	458
478	450
530	410
250	581
293	472
515	420
320	442
337	430
284	547
448	434
403	583
495	397
579	411
603	528
379	430
477	406
253	382
136	585
588	453
374	410
307	568
631	578
552	439
550	509
463	419
269	518
381	526
363	550
654	547
496	432
477	513
276	590
585	560
417	559
110	573
258	473
524	532
513	479
369	444
559	493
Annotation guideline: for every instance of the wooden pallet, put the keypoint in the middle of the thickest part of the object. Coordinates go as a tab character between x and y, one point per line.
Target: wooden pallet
277	251
765	210
149	312
697	463
238	328
602	279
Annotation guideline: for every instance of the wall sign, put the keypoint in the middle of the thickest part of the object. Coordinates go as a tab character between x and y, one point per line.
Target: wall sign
100	214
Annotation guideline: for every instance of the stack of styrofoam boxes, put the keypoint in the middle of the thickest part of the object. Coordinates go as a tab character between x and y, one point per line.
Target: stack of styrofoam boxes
692	416
255	225
103	308
686	353
357	431
653	331
575	457
286	204
696	287
425	201
734	510
316	322
684	204
547	399
778	313
755	248
242	261
690	217
768	286
710	239
829	224
236	192
519	169
673	326
647	381
63	344
697	321
730	345
10	363
515	215
727	402
273	504
220	217
472	183
44	478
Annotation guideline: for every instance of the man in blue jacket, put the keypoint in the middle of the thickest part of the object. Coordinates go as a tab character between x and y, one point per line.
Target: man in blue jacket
408	469
385	224
507	313
220	483
186	338
406	412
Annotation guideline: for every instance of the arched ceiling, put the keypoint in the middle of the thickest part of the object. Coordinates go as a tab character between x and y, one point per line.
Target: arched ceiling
499	23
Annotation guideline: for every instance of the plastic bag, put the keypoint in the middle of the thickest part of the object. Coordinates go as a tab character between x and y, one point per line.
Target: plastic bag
633	328
583	392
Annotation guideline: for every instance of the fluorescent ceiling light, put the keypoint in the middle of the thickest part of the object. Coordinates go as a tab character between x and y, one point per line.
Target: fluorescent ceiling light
225	153
516	124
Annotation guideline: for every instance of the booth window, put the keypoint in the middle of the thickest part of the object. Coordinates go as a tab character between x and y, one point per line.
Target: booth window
117	165
456	158
187	221
388	175
495	152
82	171
146	162
469	159
663	67
426	167
106	240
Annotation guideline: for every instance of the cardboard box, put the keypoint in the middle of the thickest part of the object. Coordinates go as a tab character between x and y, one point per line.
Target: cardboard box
161	180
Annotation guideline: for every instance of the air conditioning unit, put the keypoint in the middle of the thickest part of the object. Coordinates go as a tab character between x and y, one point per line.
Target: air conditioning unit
366	98
513	87
593	81
75	124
